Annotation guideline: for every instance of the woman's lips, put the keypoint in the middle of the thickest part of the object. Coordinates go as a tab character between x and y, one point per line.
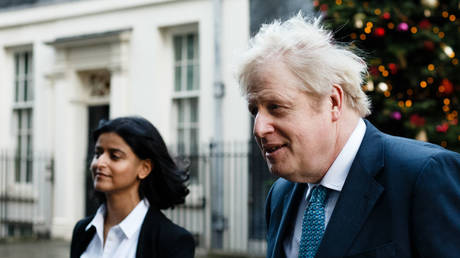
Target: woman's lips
99	174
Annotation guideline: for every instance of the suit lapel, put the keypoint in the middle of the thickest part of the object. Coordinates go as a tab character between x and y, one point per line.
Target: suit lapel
148	235
359	195
83	238
291	203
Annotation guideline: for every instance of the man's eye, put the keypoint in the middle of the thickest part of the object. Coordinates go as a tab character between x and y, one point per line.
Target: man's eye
253	110
273	106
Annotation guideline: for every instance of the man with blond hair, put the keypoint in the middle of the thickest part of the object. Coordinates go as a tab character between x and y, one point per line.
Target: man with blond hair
345	188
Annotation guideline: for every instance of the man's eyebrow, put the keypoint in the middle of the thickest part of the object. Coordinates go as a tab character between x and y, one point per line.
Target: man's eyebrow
268	96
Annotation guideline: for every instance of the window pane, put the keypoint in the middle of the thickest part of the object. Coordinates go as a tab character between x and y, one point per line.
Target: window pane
29	159
190	46
31	64
17	79
26	87
29	145
16	94
31	88
17	165
194	141
23	91
178	78
194	159
29	77
26	63
180	112
16	64
194	154
19	121
181	142
29	170
177	48
197	77
190	76
193	110
18	154
29	119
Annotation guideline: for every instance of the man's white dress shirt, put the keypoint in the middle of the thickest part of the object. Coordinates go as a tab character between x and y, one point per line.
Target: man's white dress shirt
333	180
121	239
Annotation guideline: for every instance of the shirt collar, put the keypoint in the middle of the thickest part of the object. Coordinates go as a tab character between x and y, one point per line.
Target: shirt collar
135	218
128	225
98	222
338	172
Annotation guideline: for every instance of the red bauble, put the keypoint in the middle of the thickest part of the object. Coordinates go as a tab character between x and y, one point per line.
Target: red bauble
442	128
386	15
374	71
417	120
424	24
448	86
324	7
428	45
379	32
393	68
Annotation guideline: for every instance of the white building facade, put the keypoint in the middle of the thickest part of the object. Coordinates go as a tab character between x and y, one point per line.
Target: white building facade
64	65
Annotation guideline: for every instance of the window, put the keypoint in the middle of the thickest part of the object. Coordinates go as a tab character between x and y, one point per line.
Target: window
22	115
186	97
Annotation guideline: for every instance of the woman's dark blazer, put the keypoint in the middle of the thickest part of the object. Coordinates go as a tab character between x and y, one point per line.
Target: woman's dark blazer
159	238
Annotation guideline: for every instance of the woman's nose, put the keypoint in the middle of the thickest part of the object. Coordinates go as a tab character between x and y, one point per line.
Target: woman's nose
98	161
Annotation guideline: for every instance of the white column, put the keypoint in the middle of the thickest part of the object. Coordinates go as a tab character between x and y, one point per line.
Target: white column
43	134
119	93
69	153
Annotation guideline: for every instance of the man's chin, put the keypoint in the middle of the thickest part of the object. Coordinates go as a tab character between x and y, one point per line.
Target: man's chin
288	175
278	172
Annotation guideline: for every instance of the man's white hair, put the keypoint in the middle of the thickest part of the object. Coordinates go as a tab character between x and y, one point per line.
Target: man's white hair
310	53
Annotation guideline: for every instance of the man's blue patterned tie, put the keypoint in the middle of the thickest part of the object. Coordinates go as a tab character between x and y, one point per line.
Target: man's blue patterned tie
313	224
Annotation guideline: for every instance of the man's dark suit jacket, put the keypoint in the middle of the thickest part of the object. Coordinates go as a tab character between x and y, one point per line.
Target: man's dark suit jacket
159	238
401	198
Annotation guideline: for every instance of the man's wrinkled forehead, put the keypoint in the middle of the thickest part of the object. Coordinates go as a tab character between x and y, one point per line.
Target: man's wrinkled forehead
256	81
271	93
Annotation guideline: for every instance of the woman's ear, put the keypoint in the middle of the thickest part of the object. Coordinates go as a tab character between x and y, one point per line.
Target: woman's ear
145	168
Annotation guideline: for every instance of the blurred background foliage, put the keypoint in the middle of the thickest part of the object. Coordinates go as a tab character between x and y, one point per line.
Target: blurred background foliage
414	75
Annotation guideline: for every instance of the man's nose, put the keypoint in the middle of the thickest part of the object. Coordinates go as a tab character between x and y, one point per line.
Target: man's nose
263	125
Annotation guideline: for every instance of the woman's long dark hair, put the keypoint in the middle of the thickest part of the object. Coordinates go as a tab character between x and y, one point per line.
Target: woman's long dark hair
165	186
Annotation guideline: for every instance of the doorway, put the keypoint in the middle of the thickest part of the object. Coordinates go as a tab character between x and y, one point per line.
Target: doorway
95	114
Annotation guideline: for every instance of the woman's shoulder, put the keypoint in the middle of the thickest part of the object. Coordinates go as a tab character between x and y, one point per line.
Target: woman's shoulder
170	239
166	226
81	224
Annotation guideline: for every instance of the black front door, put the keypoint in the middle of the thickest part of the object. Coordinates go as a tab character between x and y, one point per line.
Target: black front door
95	114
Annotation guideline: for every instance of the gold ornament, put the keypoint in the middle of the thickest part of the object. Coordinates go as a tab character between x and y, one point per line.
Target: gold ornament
359	20
430	3
421	136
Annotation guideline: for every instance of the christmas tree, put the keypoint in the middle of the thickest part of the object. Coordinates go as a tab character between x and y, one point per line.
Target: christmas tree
414	75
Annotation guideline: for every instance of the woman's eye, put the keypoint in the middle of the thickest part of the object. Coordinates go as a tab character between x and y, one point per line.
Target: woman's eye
97	154
114	157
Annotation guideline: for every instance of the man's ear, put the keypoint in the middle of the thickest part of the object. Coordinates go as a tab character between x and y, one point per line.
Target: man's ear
145	169
336	99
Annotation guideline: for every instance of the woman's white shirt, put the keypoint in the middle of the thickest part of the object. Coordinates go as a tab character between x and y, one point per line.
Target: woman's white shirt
121	239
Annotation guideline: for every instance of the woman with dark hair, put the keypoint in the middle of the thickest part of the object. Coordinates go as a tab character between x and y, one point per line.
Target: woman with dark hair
134	177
